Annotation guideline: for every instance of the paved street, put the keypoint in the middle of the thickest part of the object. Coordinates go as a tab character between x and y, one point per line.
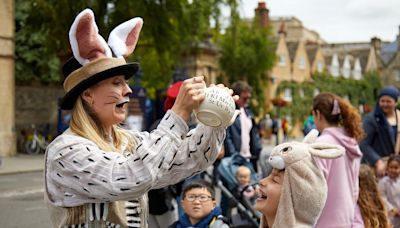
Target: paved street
21	201
21	192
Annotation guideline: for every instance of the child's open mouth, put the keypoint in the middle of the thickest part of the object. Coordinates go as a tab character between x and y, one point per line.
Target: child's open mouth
262	195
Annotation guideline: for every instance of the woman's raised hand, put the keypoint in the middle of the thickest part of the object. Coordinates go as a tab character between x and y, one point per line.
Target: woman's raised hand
190	95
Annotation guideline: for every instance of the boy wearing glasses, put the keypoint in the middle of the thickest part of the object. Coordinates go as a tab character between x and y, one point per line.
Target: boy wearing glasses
199	205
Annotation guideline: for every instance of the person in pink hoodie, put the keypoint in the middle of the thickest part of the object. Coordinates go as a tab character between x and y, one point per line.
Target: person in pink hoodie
339	123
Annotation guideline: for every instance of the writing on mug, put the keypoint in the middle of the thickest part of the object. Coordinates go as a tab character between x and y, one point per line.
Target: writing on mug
221	100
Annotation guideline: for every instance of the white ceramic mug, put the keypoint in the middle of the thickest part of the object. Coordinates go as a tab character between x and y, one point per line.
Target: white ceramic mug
217	108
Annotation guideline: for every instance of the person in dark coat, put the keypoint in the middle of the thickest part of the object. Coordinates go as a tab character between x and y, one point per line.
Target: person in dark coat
242	136
381	128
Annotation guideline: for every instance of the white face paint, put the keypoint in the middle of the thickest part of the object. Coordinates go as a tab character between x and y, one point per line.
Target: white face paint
108	99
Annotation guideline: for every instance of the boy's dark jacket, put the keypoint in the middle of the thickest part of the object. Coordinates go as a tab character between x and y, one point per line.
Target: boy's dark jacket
212	220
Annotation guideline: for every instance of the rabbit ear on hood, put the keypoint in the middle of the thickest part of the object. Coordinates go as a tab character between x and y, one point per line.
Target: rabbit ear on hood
311	136
325	150
322	150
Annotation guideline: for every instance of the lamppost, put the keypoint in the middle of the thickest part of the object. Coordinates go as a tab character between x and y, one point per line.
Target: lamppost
278	102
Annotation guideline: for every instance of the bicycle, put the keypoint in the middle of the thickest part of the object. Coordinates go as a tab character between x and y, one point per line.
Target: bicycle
35	142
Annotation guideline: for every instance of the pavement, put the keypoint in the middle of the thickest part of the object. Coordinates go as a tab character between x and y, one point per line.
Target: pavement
21	163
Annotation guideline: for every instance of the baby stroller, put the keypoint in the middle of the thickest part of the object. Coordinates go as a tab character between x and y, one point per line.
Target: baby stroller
246	216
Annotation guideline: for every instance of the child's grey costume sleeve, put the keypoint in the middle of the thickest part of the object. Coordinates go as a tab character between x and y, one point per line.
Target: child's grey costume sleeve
78	172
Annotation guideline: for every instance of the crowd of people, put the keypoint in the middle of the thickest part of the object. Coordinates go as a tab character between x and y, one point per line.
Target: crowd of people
99	174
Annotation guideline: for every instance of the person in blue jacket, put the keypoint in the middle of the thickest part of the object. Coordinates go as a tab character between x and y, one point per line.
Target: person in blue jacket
201	210
382	128
242	136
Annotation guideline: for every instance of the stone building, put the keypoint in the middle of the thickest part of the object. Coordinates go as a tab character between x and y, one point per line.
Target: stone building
301	52
295	30
351	60
390	55
7	92
202	59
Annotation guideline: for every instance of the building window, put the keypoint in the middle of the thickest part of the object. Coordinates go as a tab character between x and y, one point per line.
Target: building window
334	67
397	76
301	93
273	79
287	94
346	68
320	66
302	63
357	74
282	59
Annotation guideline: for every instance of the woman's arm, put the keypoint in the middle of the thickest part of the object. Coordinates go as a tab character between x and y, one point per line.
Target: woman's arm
78	172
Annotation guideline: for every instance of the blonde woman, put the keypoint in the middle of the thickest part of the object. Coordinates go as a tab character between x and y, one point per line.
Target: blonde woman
94	168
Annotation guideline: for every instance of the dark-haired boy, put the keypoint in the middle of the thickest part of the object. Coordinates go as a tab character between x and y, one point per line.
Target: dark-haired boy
200	207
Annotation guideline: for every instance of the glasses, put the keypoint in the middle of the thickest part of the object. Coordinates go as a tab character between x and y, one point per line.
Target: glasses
201	197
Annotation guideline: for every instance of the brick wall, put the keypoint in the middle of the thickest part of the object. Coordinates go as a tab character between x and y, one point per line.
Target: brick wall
36	105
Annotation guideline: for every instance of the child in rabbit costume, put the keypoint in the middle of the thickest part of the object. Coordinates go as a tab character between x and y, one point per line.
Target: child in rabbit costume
295	192
95	167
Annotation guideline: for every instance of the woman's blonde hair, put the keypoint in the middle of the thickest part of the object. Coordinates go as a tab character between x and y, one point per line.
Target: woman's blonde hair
84	122
369	200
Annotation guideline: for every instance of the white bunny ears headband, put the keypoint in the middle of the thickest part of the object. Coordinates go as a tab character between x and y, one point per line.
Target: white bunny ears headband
94	58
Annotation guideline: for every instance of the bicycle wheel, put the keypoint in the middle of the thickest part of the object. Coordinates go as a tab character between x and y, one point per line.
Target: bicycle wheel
31	147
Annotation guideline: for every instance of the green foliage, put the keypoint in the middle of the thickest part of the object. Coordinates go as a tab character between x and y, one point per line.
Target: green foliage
359	92
34	61
247	52
41	37
169	28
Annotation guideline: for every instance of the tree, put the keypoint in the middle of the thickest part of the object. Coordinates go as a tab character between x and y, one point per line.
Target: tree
169	27
359	92
41	37
247	53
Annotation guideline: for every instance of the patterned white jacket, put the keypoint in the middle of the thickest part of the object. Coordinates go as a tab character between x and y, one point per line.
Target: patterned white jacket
84	185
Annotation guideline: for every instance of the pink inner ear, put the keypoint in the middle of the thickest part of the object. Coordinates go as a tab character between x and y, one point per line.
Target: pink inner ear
89	45
132	39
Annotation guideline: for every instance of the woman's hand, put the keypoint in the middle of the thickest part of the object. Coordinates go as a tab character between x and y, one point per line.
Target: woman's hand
380	168
190	95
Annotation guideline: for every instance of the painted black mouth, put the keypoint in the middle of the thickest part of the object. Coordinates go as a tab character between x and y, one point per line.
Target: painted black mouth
120	105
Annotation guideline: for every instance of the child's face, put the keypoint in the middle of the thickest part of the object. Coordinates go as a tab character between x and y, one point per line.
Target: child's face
270	193
243	177
393	169
197	209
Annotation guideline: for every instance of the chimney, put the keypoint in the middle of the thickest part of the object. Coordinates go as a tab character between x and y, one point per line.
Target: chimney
262	13
398	40
377	44
282	29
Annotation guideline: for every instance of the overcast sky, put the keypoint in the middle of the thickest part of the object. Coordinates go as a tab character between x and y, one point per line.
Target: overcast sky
338	20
